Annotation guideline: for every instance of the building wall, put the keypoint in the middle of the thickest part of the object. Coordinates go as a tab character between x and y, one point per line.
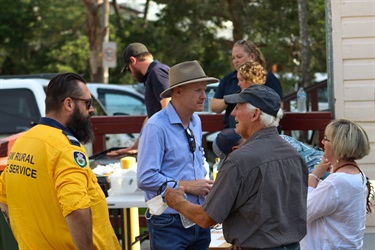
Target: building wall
353	70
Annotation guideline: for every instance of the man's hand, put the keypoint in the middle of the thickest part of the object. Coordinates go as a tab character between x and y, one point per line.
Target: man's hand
174	196
197	187
193	212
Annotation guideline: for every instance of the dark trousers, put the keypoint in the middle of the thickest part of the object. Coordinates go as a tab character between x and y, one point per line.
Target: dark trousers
293	246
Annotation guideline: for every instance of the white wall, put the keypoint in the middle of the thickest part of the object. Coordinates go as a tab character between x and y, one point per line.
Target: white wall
353	69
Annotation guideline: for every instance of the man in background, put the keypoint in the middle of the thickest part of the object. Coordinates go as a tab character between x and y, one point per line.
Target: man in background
141	64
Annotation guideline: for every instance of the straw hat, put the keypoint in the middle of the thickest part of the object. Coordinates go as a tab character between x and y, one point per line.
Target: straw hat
185	73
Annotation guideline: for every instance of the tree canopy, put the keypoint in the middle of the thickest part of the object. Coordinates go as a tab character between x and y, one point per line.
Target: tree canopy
49	36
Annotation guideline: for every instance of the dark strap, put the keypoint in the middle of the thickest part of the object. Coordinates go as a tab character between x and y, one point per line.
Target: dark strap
351	164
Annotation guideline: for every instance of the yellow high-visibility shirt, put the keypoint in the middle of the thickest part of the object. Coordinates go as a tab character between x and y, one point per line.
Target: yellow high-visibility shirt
47	177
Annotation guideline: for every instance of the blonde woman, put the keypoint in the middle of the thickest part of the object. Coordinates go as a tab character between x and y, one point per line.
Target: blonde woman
243	51
251	73
336	207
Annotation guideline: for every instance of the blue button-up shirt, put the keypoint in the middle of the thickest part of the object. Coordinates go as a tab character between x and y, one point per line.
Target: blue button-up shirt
164	153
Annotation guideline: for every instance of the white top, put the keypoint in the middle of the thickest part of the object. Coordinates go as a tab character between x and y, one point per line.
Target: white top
336	213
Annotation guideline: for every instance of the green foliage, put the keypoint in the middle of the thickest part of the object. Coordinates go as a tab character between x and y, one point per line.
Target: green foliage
48	36
17	20
68	58
42	37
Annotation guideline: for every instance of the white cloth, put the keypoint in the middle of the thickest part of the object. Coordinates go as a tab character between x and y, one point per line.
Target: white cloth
336	213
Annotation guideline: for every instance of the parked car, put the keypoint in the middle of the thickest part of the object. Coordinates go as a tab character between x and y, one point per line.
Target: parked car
119	99
22	103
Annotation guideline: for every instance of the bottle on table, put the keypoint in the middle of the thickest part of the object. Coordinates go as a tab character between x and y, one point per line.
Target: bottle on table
301	100
214	167
210	96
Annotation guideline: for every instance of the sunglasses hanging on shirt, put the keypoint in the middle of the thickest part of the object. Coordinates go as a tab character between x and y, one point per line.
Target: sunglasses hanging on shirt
191	139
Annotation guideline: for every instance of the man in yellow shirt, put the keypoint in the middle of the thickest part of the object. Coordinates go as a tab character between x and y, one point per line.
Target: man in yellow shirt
48	193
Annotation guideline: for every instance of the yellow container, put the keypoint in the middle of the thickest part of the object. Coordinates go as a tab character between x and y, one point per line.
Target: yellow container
127	162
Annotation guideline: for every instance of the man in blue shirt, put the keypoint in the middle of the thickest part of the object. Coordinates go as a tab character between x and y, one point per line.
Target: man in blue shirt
170	155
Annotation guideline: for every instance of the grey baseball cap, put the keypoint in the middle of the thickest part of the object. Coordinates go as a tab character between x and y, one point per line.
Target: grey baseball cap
133	49
260	96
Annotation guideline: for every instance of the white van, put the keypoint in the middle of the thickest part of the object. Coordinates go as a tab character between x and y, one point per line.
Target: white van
22	104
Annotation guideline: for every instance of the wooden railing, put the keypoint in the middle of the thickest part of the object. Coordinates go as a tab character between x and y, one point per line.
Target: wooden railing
102	125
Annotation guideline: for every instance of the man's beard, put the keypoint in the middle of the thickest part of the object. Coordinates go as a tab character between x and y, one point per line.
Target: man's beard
138	75
80	126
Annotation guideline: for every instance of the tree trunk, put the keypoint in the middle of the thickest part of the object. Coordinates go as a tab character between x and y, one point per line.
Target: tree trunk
145	13
305	45
236	18
95	34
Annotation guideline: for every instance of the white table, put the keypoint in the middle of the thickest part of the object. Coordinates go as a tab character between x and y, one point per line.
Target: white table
129	202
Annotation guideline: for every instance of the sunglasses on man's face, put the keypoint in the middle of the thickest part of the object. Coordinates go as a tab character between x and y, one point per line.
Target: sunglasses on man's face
88	102
191	139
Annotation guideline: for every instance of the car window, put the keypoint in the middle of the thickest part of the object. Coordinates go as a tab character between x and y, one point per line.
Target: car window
121	102
18	110
98	108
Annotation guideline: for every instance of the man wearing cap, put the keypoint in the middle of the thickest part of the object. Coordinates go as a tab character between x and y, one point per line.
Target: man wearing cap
141	64
171	154
260	191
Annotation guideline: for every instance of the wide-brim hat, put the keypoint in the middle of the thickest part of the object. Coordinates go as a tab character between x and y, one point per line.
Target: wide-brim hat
186	73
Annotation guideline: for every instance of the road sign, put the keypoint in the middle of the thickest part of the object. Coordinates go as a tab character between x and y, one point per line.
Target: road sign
109	55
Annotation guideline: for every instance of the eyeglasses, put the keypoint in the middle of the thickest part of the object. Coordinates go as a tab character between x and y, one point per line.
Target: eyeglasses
191	139
88	102
326	139
244	41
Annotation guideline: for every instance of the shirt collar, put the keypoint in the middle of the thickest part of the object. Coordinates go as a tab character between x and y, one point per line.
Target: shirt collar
174	118
53	123
150	67
265	132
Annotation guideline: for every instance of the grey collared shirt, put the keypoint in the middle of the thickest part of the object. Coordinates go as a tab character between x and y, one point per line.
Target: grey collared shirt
260	193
